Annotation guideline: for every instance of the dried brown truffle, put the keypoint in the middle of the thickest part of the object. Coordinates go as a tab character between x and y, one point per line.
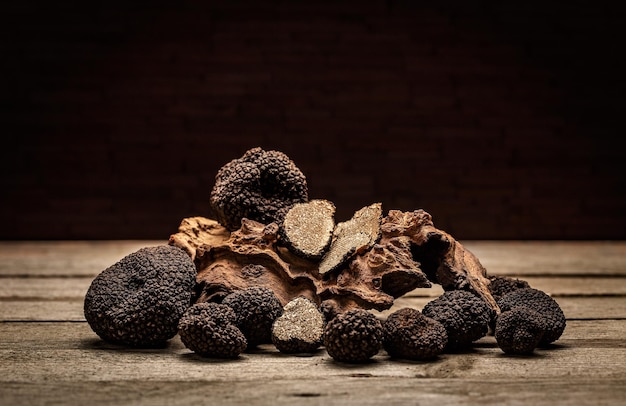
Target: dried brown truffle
352	237
300	328
308	227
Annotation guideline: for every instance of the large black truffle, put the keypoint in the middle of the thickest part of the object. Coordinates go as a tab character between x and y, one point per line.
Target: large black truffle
260	186
139	300
256	309
209	330
464	315
354	336
411	335
542	303
502	285
519	330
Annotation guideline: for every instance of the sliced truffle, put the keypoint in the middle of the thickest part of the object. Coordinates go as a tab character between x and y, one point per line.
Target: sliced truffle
308	227
464	315
354	336
501	285
138	300
542	303
352	237
256	309
300	328
261	186
519	330
208	329
411	335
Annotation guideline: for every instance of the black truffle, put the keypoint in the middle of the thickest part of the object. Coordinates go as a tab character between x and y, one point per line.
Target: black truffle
308	227
501	285
139	300
300	328
411	335
464	315
256	309
261	186
542	303
353	336
519	330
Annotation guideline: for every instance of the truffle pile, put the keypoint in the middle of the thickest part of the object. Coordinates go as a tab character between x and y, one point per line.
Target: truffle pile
274	268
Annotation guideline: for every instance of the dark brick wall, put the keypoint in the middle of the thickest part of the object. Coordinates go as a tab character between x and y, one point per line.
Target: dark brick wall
502	119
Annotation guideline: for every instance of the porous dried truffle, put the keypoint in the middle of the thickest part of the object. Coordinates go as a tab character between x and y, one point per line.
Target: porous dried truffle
542	303
352	237
300	328
261	186
308	227
464	315
138	300
209	330
411	335
519	330
354	336
501	285
256	309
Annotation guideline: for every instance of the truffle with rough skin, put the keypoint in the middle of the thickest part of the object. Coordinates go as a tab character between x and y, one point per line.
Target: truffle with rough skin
501	285
519	330
138	300
256	309
354	336
209	330
300	328
308	227
542	303
411	335
464	315
260	186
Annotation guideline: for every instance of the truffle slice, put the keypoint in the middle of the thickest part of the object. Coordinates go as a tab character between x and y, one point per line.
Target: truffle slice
353	336
308	228
519	330
256	309
352	237
208	329
300	328
411	335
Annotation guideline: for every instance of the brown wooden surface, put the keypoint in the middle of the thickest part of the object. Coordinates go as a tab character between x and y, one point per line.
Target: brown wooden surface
49	355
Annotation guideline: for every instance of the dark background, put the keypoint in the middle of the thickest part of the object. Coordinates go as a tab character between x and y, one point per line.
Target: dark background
502	119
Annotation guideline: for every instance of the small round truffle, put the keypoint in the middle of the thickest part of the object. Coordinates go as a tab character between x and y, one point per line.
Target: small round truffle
542	303
501	285
464	315
256	309
260	186
138	300
300	328
519	330
208	329
354	336
411	335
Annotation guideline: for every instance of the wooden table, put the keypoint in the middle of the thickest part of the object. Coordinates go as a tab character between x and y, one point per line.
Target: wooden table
49	355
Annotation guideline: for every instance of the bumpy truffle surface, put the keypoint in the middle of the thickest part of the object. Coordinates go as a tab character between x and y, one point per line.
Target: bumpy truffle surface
542	303
256	309
308	227
464	315
519	330
411	335
208	329
354	336
501	285
261	186
139	300
300	328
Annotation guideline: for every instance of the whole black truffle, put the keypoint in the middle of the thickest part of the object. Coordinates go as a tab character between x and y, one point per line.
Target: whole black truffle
139	300
542	303
353	336
501	285
411	335
260	186
300	328
208	329
256	309
519	330
464	315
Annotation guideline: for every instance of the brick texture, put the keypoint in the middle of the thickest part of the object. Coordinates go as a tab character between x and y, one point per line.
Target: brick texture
499	119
